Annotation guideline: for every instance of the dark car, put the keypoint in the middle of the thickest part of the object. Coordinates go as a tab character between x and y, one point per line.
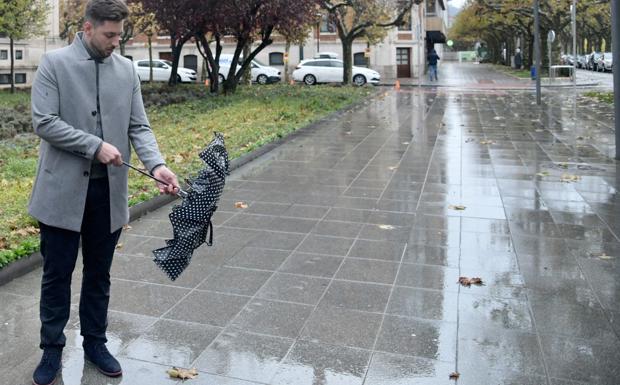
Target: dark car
593	60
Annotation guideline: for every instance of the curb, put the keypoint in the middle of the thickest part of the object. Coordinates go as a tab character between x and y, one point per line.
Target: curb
27	264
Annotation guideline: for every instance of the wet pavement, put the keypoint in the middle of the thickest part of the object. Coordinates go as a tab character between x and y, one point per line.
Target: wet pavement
344	267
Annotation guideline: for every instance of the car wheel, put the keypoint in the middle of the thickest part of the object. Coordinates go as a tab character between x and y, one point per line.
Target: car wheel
262	79
359	80
179	80
310	80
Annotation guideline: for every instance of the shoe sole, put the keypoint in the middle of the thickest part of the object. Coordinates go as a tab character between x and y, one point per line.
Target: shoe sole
109	374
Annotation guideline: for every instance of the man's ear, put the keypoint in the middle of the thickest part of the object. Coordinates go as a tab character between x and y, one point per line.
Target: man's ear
88	27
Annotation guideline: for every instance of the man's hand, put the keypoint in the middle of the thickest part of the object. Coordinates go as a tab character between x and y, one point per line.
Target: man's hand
108	154
163	173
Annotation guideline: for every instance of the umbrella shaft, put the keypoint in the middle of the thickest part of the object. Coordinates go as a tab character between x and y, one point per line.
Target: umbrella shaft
181	193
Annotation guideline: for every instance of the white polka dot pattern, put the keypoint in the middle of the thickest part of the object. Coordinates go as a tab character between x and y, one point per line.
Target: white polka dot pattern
191	220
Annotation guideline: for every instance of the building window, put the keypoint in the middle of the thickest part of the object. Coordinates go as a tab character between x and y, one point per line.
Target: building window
4	54
276	59
359	59
431	6
406	25
19	54
5	79
327	26
20	78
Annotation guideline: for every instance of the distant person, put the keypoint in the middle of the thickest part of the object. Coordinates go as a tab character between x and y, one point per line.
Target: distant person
433	58
518	59
87	109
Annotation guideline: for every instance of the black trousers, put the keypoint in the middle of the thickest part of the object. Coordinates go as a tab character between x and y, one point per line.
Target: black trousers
59	248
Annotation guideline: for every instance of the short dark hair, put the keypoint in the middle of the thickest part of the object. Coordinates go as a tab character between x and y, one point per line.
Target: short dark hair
99	11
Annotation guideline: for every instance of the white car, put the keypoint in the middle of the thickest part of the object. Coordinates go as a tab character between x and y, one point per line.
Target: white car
315	71
162	70
261	73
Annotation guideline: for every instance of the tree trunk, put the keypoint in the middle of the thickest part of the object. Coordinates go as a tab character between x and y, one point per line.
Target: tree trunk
12	71
347	58
150	44
247	71
287	50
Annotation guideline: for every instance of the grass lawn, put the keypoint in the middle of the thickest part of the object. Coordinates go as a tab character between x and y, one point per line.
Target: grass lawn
607	97
521	73
252	117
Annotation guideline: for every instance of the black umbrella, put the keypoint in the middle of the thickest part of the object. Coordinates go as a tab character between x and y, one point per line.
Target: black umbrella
191	220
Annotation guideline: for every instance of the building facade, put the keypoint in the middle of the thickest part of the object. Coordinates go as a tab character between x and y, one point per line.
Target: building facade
27	53
402	54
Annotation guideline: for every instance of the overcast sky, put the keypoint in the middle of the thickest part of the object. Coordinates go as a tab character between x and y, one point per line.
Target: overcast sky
456	3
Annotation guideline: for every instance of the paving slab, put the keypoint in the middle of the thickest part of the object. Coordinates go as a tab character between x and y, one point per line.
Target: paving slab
343	268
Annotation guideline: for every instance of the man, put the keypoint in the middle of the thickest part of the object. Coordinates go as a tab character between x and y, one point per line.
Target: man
87	108
518	59
432	64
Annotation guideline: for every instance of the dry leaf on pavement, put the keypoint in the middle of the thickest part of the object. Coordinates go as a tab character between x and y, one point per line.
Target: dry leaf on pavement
605	257
455	375
241	205
569	178
467	282
386	227
457	207
119	245
183	374
487	142
543	173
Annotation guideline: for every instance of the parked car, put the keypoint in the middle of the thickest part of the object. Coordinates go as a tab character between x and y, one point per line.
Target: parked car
605	62
582	61
162	70
593	61
261	74
326	55
315	71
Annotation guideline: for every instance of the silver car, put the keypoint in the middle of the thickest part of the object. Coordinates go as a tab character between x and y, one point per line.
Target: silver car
605	62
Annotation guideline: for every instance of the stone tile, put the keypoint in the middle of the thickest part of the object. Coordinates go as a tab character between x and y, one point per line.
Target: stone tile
236	281
274	318
389	251
293	225
312	264
357	296
428	277
325	245
244	356
294	288
395	369
347	215
173	343
269	239
500	313
310	363
582	360
209	308
338	229
305	211
380	232
429	255
266	208
258	258
363	270
416	337
423	303
146	299
489	351
342	327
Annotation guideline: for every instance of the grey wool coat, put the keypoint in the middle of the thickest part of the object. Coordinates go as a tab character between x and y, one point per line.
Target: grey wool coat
64	116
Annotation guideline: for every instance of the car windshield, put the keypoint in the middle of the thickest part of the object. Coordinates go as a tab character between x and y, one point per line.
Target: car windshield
259	62
168	62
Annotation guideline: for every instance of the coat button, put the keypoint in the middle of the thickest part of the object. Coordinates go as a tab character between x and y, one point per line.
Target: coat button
86	173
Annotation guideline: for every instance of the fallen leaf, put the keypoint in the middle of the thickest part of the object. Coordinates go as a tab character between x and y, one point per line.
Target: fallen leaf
119	245
183	374
178	158
467	282
605	257
487	142
241	205
3	243
569	178
392	168
543	173
386	227
562	165
457	207
455	375
127	227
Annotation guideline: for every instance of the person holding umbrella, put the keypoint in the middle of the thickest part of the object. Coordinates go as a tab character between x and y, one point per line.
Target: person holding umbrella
87	109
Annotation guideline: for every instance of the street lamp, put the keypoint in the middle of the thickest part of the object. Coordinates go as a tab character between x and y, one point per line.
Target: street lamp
318	32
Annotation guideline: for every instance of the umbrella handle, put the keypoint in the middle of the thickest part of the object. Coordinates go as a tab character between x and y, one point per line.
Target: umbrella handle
181	193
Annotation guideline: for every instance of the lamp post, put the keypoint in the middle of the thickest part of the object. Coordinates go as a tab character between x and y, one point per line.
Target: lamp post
537	49
615	45
318	32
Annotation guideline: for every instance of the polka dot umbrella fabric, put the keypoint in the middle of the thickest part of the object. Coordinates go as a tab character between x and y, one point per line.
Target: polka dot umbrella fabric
191	220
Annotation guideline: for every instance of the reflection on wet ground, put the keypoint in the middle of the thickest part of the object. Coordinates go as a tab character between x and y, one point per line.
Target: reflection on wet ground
344	267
